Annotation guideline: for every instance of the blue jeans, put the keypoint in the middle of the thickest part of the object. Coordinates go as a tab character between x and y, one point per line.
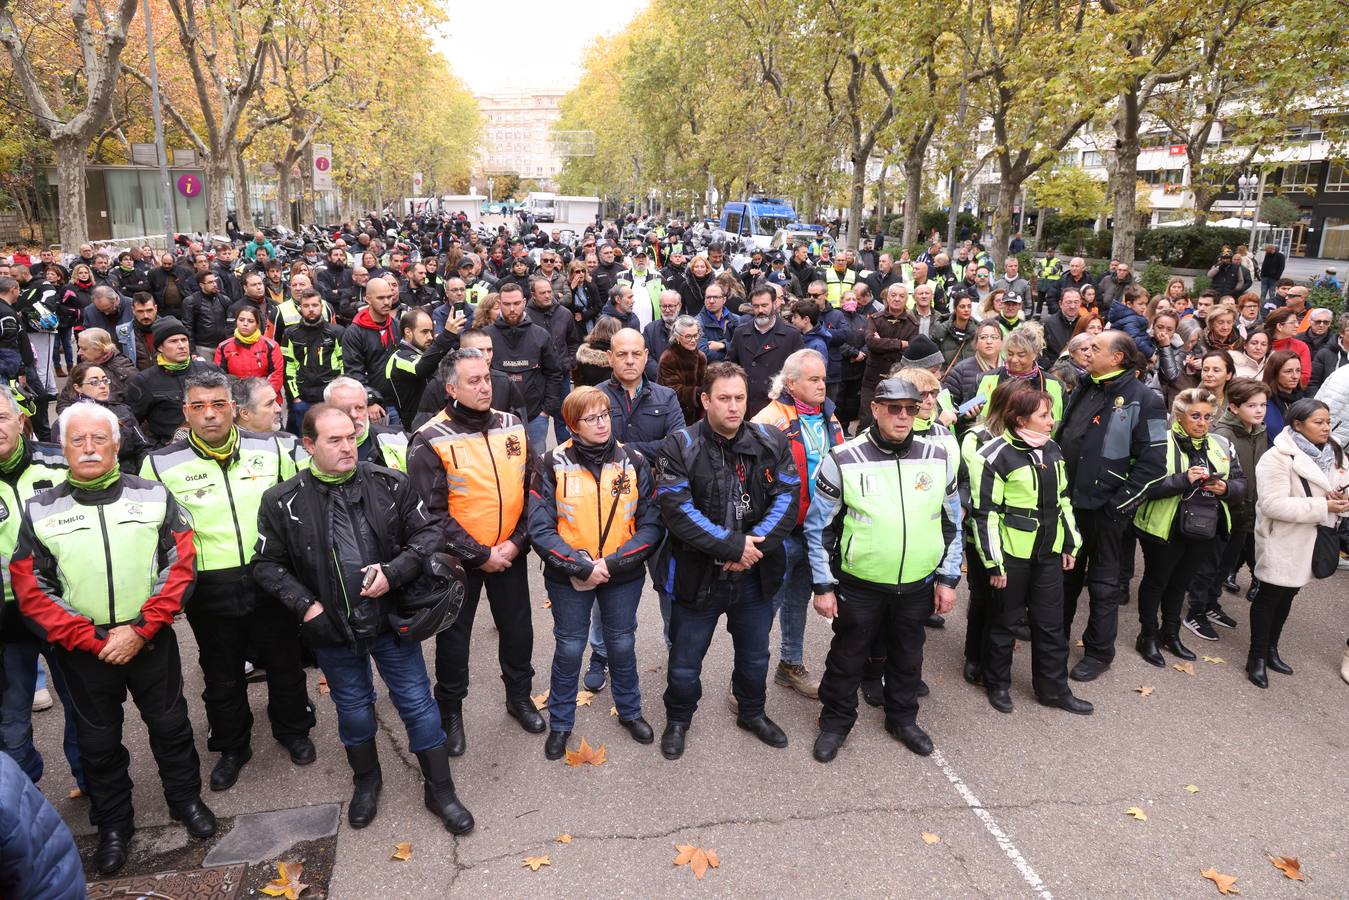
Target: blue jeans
1268	288
536	430
353	690
297	410
792	601
597	628
16	711
749	618
65	347
571	616
560	430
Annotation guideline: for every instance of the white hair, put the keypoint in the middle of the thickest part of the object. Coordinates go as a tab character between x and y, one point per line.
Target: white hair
341	382
88	410
791	370
684	323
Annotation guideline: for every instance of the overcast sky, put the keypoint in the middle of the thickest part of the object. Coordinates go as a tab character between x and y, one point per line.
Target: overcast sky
527	43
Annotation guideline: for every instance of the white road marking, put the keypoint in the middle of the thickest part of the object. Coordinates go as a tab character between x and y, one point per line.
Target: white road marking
991	825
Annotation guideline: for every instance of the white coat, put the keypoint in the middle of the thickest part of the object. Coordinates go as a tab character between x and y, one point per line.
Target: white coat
1285	517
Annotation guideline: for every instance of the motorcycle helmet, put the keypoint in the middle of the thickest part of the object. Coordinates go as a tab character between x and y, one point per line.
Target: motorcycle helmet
430	604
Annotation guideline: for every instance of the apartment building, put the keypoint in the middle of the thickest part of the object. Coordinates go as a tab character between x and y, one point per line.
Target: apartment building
516	134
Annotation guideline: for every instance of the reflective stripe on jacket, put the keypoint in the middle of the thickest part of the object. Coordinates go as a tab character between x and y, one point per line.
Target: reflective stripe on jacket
1019	497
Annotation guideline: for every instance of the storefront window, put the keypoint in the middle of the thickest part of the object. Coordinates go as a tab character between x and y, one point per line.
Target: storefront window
1335	238
135	207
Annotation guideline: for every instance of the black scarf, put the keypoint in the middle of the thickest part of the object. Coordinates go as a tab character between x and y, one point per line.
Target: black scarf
477	420
899	448
594	456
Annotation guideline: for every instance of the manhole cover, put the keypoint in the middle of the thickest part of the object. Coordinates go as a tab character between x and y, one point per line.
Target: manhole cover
220	883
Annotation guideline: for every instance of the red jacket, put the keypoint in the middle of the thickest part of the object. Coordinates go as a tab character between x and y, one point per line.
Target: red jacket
261	359
1303	352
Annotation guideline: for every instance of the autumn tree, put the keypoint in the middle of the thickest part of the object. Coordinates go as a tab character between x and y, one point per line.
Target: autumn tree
1036	89
70	106
225	45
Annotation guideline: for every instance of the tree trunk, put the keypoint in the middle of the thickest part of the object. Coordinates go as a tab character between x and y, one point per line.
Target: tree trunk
74	217
282	192
1002	220
880	196
913	196
1124	179
857	195
1039	228
243	202
957	189
217	166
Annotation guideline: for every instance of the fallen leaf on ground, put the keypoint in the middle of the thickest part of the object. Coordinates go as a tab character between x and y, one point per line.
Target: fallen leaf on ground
1225	883
1136	813
586	754
583	698
1192	788
287	883
540	700
1212	659
613	710
697	859
1144	689
547	604
564	838
1186	667
1290	866
323	684
534	862
402	851
75	794
930	838
1080	644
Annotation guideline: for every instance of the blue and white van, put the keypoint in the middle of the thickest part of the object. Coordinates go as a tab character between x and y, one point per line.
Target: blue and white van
756	220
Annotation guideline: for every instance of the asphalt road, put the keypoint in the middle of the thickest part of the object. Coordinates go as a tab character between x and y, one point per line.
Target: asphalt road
1031	804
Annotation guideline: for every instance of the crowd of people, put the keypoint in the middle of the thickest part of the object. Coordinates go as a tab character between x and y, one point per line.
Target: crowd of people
304	459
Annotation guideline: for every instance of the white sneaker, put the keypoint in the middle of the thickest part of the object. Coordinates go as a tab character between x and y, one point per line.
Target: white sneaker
1344	666
42	700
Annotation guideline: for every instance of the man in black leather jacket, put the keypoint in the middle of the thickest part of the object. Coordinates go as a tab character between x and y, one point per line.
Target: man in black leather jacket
336	544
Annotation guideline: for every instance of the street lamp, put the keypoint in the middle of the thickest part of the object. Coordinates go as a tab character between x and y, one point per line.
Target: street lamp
1246	186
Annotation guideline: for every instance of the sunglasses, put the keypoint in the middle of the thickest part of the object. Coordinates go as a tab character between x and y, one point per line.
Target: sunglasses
899	409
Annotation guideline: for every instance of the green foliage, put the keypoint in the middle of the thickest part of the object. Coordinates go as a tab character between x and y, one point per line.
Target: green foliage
1072	191
1099	245
1188	246
1326	298
1154	277
1279	211
936	218
1201	284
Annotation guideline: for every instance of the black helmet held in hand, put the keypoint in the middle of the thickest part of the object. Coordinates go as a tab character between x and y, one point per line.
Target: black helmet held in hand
430	604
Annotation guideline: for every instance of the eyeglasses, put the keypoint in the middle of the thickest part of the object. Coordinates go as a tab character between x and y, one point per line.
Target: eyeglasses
928	395
1200	417
594	420
219	406
900	409
96	382
815	294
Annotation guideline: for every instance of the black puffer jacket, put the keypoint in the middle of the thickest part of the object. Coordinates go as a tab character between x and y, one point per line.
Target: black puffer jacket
295	560
524	351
